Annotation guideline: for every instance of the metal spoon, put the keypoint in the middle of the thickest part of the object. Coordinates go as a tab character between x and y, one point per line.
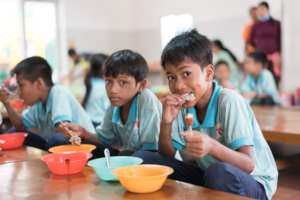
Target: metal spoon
107	157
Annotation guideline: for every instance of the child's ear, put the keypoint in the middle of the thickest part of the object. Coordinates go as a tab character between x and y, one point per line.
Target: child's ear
40	83
210	72
142	85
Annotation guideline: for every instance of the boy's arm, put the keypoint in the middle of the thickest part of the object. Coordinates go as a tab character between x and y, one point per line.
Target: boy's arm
171	107
165	146
199	145
13	115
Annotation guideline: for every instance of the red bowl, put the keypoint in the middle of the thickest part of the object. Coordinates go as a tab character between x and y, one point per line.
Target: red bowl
63	163
12	140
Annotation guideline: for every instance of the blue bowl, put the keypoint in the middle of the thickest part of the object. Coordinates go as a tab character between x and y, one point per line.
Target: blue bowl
99	165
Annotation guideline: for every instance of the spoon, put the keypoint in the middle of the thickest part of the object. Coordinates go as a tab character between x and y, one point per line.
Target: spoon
107	157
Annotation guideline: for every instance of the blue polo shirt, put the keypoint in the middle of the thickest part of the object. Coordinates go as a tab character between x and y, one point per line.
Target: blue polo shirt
230	120
60	106
265	85
98	101
141	130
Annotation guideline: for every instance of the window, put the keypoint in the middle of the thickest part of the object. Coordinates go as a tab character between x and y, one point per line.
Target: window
27	28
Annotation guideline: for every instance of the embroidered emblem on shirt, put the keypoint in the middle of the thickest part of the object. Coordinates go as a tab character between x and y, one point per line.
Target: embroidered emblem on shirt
136	124
219	131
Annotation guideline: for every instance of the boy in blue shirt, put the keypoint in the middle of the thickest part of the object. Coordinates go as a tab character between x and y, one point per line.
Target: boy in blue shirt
50	105
225	150
132	120
259	86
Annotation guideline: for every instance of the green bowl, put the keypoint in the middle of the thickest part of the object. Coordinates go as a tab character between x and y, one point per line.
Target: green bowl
99	165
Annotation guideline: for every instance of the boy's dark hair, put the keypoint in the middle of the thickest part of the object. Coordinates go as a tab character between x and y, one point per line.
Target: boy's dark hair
95	70
126	62
33	68
265	4
72	52
191	45
221	62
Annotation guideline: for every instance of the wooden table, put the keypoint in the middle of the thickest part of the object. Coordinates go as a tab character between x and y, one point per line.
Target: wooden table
21	154
279	124
32	180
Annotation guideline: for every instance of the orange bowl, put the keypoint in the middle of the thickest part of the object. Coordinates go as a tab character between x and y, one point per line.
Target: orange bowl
143	178
12	140
66	162
82	148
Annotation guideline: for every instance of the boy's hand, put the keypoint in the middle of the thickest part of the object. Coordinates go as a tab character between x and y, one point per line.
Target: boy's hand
4	95
70	129
197	144
171	107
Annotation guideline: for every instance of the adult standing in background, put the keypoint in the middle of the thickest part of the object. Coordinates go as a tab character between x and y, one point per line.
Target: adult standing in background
79	66
79	69
266	36
247	30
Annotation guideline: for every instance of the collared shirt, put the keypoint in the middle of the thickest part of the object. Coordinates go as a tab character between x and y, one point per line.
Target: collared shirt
141	131
264	85
98	101
230	120
61	106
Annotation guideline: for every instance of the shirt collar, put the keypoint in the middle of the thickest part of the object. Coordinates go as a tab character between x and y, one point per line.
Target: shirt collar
132	113
259	81
210	116
49	100
97	80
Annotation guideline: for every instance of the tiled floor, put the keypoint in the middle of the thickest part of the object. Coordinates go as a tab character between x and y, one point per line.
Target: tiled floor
288	184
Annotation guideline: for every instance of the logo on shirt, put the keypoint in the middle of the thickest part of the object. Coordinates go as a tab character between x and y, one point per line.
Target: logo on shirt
136	124
219	131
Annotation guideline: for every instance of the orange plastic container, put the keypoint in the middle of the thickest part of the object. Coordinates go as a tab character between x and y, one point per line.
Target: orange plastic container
12	140
143	178
81	148
66	162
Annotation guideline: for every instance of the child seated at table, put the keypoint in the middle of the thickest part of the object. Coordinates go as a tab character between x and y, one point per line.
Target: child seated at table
50	104
132	120
220	142
95	101
259	86
222	75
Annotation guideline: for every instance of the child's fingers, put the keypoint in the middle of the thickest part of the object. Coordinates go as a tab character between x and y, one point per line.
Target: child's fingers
174	99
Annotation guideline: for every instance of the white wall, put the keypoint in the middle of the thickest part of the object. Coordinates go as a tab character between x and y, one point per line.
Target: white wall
291	45
98	25
107	26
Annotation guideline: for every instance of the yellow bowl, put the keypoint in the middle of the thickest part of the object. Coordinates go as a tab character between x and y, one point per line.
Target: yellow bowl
82	148
143	178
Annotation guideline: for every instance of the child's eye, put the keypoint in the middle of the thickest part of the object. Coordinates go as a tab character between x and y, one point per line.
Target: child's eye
107	81
123	82
170	78
186	74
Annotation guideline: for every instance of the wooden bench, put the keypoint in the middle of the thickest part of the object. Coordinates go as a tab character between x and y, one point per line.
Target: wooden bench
279	124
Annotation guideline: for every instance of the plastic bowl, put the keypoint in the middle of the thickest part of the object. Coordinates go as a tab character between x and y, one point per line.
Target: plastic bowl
63	163
99	165
12	140
143	178
67	148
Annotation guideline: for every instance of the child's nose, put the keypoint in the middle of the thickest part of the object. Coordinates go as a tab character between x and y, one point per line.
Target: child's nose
114	88
179	85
